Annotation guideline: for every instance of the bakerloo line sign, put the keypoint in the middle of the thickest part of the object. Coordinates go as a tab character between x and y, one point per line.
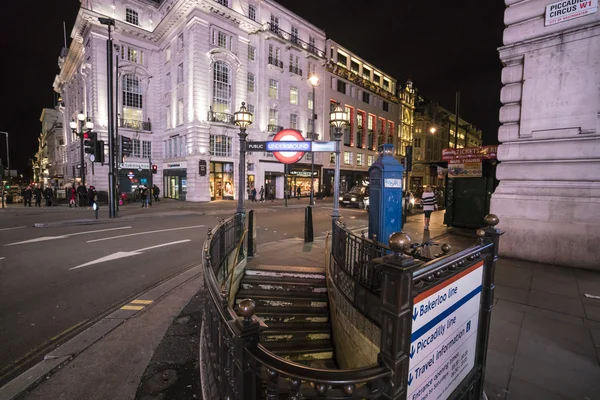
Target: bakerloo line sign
289	146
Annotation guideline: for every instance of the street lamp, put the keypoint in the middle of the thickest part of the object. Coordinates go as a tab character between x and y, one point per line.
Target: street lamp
432	130
2	172
338	118
81	123
314	81
243	118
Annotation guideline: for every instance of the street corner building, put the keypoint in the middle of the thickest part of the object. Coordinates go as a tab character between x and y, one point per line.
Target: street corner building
549	189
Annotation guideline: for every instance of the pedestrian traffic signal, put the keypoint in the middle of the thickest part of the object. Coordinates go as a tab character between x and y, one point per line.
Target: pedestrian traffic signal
99	155
125	146
89	142
155	169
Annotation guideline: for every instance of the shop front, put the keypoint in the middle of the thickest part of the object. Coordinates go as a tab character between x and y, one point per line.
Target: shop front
299	176
175	180
222	185
132	175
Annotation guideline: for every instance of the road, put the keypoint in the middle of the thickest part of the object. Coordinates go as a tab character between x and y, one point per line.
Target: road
55	281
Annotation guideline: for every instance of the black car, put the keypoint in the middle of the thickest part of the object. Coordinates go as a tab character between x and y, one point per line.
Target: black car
355	197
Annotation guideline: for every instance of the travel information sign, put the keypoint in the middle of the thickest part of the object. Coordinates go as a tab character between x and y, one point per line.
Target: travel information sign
444	335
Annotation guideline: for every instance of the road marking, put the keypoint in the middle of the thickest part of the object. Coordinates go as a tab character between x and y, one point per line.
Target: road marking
134	308
141	302
16	227
2	258
124	254
46	238
145	233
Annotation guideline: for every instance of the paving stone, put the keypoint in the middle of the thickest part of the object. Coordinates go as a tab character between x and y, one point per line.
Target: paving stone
587	275
592	312
494	392
498	368
568	289
511	294
521	390
505	329
541	312
554	302
596	339
554	273
512	275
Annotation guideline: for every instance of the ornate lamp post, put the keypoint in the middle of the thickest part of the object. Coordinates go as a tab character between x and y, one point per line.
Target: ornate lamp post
338	118
81	123
314	81
243	118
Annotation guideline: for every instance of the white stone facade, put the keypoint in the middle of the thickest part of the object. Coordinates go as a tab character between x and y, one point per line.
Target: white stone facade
184	68
548	200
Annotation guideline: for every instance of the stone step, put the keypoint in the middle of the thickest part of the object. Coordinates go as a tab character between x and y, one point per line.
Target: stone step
302	350
299	326
275	316
288	304
295	335
274	271
255	294
328	363
283	284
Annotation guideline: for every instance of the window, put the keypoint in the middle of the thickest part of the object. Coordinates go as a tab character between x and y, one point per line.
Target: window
386	106
252	12
347	158
310	101
223	2
342	59
294	37
132	98
175	146
251	82
273	89
251	109
293	121
371	122
332	158
221	87
366	73
360	160
132	54
251	53
293	95
273	117
366	98
376	78
168	82
131	16
146	149
354	67
168	118
341	86
135	148
220	146
180	42
180	73
168	53
221	40
386	84
179	112
418	142
311	44
370	160
310	125
274	23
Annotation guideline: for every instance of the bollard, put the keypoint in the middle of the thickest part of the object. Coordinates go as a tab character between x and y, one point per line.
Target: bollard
308	225
95	207
251	234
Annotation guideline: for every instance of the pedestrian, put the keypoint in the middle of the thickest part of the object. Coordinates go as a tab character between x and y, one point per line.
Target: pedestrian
271	193
91	196
429	205
262	194
156	192
27	194
144	195
38	196
298	192
48	194
253	195
72	197
81	193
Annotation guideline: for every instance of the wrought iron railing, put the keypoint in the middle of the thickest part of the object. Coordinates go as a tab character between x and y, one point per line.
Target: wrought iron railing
274	128
135	124
275	62
220	117
311	48
295	70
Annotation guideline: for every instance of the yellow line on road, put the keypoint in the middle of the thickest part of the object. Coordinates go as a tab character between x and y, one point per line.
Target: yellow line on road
134	308
141	302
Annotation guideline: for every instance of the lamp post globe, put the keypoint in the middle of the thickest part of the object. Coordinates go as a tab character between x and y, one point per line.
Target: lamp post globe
242	118
338	118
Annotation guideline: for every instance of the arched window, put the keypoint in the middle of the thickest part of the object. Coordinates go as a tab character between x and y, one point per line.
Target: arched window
132	99
221	87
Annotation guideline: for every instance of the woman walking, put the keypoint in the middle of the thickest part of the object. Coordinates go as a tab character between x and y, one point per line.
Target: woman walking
429	205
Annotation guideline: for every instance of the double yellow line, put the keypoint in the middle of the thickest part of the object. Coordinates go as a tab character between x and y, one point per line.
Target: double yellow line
136	305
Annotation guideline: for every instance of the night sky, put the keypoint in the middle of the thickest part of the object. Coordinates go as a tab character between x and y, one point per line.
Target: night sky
442	45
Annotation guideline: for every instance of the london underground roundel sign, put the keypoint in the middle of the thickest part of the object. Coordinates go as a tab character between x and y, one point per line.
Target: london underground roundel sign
288	157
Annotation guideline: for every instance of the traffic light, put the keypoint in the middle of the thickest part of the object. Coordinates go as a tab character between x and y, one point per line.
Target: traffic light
99	155
125	146
89	142
155	169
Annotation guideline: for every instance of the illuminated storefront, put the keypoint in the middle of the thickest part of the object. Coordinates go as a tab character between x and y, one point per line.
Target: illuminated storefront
222	185
175	180
299	176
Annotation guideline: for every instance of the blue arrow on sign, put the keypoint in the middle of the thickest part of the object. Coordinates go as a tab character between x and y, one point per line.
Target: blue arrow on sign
412	351
410	379
415	313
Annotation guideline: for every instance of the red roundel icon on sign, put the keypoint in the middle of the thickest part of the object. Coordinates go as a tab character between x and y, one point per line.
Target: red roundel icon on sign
288	135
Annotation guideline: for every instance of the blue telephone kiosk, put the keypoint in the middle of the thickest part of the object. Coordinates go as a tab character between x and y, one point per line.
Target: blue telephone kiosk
385	196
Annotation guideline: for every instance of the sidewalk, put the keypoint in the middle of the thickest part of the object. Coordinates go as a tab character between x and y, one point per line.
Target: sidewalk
544	337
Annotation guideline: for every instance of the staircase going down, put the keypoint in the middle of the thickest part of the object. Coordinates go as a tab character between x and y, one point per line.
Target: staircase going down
293	302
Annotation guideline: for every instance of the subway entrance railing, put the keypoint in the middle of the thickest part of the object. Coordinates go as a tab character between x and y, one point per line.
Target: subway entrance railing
426	322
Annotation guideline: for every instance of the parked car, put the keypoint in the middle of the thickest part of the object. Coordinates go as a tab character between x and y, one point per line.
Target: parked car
355	197
407	196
